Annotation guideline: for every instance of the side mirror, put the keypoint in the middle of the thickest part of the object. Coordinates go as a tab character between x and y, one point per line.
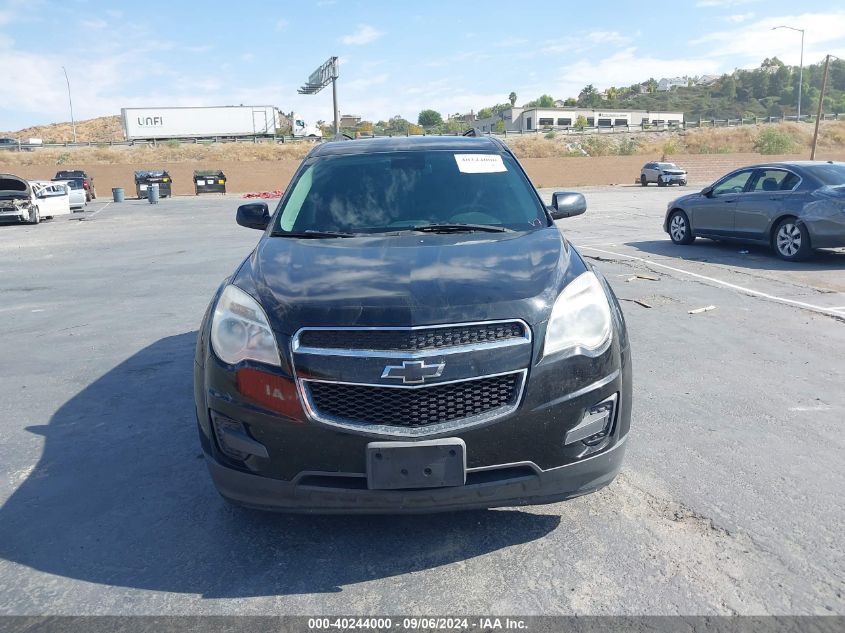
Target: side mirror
255	215
707	191
566	204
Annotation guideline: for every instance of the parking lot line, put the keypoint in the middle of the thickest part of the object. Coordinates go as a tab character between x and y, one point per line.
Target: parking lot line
834	312
100	209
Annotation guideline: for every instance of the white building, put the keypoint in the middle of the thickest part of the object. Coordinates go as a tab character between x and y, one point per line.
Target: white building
665	85
532	119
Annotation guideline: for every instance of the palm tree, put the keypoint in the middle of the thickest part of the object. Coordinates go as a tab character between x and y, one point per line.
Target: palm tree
512	98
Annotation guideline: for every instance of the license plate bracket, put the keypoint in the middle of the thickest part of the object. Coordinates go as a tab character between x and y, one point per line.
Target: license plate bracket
424	464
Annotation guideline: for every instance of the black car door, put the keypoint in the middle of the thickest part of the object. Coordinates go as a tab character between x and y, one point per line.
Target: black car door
714	214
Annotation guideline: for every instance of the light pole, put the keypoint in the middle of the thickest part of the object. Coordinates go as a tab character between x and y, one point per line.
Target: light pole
800	68
70	101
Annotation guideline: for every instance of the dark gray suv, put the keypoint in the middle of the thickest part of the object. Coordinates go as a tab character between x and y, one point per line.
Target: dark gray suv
795	207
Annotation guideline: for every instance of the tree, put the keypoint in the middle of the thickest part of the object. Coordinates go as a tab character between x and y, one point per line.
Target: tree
429	118
512	98
760	84
580	122
415	129
485	113
570	102
729	87
543	101
651	85
500	127
589	97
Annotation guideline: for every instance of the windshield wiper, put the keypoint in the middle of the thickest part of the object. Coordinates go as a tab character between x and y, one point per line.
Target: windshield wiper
458	228
311	234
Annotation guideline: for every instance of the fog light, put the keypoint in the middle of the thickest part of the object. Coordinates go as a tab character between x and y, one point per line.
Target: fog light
596	424
234	440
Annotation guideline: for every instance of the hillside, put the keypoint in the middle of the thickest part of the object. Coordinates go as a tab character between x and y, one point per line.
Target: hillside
102	129
768	91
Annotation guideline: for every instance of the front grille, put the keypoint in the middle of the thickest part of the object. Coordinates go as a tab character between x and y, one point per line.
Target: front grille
412	340
412	408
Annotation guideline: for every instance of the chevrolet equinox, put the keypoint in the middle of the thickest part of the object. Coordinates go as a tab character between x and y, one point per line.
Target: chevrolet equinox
412	333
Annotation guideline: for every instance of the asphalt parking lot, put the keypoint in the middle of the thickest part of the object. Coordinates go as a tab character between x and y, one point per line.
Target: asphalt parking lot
730	500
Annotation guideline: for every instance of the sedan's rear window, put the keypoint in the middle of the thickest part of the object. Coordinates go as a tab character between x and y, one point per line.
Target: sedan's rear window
396	190
831	174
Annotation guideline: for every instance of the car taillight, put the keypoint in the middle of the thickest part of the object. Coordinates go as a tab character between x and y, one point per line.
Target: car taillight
85	183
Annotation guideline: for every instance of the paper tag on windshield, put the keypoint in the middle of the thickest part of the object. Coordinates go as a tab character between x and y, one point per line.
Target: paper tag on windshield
480	163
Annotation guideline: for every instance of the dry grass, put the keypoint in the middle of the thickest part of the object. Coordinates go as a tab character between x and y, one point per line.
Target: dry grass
744	139
698	141
165	153
101	129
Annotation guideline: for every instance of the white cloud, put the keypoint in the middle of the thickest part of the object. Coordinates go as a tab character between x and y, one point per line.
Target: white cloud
626	67
247	57
202	48
363	35
366	82
607	37
750	43
281	25
738	18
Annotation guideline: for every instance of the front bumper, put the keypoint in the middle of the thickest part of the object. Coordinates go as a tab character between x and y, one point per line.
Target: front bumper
489	487
671	179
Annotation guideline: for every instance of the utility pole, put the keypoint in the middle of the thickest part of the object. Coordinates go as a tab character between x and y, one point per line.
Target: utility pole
70	101
821	103
800	68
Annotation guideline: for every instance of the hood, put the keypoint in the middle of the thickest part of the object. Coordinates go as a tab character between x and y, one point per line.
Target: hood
408	279
677	172
12	187
684	199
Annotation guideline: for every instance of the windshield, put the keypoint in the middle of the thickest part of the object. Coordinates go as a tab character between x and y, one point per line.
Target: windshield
73	183
399	190
830	174
667	166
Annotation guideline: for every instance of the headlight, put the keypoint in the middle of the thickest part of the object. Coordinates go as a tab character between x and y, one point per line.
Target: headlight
240	330
580	320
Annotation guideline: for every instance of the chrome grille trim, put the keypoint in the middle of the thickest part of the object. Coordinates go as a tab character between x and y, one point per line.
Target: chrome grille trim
297	348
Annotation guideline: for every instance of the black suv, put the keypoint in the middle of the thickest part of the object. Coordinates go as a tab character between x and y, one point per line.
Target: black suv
79	175
412	333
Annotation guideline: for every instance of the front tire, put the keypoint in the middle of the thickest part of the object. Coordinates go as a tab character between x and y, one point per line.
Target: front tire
660	182
680	231
643	180
791	241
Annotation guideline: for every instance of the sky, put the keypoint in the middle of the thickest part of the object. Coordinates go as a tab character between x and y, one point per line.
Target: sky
397	57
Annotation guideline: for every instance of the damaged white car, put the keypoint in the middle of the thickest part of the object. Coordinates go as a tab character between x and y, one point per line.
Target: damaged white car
23	201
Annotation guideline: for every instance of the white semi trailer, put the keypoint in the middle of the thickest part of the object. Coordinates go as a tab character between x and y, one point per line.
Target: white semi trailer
199	122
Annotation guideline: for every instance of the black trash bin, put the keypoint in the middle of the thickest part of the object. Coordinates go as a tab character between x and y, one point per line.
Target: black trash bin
143	179
209	181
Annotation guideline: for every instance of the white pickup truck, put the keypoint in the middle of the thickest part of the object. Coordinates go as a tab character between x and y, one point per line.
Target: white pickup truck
24	201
